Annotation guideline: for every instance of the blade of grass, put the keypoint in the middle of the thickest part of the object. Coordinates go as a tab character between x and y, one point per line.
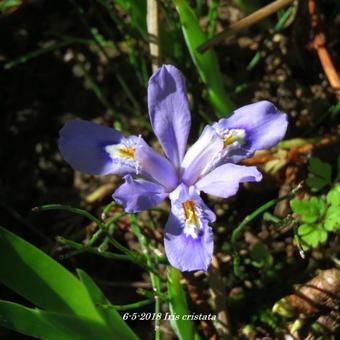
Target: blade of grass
178	306
118	326
41	280
212	17
42	324
207	63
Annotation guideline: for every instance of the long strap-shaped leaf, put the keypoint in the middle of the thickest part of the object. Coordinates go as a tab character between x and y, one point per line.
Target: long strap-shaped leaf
110	315
206	63
183	328
37	277
44	282
49	325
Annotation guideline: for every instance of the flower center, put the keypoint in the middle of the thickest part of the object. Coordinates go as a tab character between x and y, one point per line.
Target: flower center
126	152
121	151
192	224
231	136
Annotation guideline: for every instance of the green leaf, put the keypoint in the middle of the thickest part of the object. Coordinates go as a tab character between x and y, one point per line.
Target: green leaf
41	280
312	235
322	169
110	315
178	306
206	63
71	303
310	210
333	196
316	183
332	219
320	174
260	255
49	325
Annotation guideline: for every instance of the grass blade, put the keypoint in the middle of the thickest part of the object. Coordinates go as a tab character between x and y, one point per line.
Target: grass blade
178	306
110	315
34	275
206	63
49	325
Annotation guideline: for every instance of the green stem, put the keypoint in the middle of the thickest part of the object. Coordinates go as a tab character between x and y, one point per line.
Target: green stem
239	230
81	248
133	256
130	305
155	280
107	209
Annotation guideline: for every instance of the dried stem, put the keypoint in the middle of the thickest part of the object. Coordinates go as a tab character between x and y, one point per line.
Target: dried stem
318	43
152	19
244	23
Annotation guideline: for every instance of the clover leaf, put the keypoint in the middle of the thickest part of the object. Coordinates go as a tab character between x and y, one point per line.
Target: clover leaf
332	219
310	210
312	235
333	197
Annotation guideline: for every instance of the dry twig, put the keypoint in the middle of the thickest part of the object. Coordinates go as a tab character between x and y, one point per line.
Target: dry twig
244	23
318	43
152	20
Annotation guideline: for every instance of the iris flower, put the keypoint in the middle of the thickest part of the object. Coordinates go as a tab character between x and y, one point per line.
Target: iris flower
207	166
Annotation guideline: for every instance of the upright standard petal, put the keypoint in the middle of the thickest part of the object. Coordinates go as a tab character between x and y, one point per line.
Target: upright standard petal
96	149
169	111
201	155
252	127
188	238
155	167
224	181
137	195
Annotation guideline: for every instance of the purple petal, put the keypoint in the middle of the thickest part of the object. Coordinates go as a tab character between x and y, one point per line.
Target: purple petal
201	155
224	181
263	124
82	146
138	195
169	111
189	242
156	167
85	146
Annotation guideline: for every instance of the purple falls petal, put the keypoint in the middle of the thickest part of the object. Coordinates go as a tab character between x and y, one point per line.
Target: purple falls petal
264	126
224	181
169	111
82	145
155	167
184	250
138	195
201	155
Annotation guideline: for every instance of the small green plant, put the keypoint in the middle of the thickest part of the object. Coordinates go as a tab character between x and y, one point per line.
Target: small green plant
317	217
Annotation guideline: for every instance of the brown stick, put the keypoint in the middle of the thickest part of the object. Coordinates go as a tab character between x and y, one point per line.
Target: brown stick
244	23
152	19
318	44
